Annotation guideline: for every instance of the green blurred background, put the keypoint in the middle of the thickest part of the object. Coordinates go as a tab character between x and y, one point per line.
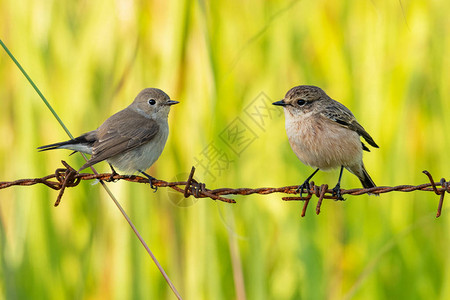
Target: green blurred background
226	61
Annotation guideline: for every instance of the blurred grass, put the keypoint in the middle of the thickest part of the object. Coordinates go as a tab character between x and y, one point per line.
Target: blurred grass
389	66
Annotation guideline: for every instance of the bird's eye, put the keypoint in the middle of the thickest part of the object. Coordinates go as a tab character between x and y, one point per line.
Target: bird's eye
301	102
152	101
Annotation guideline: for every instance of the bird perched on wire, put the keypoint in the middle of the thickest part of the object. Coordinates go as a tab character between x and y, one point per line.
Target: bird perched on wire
324	134
131	140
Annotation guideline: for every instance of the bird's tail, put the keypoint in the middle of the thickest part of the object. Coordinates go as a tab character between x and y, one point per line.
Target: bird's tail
364	177
57	145
366	181
81	144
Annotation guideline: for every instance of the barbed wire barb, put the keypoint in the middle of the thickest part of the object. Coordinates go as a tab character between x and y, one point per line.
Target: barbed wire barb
69	177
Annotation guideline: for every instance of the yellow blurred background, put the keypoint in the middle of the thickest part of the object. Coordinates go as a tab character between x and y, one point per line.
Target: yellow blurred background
226	61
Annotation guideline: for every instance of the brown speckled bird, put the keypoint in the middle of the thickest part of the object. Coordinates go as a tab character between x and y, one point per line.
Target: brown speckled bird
324	134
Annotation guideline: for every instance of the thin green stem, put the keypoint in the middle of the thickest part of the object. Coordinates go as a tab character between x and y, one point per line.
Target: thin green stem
36	89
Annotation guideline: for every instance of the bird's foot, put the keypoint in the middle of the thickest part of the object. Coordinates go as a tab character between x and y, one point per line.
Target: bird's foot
150	180
303	187
153	187
111	178
337	192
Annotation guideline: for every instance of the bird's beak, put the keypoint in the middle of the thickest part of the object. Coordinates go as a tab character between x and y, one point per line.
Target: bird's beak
280	103
172	102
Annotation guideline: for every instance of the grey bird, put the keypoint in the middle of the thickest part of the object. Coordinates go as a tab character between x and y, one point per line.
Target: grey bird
324	134
131	140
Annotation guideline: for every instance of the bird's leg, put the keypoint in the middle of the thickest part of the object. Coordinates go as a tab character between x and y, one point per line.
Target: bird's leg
113	173
305	185
337	188
150	180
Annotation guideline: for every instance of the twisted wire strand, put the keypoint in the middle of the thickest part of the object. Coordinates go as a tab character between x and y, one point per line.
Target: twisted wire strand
69	177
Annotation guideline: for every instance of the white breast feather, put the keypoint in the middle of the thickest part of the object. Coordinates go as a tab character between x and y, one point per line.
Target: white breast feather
319	143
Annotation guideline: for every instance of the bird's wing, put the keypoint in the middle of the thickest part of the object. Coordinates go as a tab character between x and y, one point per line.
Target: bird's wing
122	132
343	116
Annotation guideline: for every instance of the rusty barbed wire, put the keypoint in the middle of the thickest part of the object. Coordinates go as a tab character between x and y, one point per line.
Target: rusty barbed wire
69	177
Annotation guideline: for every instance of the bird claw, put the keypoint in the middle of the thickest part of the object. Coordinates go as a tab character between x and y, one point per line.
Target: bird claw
113	173
153	187
304	186
150	180
337	192
111	178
